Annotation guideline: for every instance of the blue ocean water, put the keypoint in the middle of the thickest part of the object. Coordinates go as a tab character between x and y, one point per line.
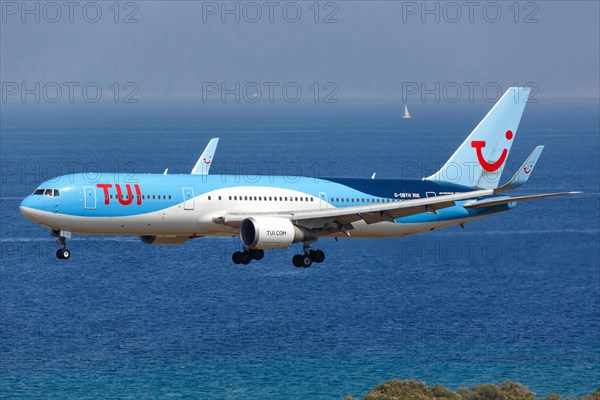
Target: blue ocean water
512	297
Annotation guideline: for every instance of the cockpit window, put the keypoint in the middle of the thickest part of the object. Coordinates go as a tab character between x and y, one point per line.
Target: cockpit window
47	192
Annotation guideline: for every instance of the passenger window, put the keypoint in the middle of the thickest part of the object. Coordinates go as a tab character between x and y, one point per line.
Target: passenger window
209	197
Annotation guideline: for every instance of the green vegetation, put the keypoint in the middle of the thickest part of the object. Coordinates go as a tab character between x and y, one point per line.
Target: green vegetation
414	390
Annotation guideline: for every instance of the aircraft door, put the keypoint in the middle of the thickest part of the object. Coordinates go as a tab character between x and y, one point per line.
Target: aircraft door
188	198
89	197
323	197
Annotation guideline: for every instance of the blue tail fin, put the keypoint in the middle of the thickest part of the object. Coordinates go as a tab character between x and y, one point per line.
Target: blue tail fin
480	159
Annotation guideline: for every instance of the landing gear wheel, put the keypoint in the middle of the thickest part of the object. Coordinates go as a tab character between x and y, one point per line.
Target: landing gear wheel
306	261
297	260
317	256
63	254
246	258
237	257
258	254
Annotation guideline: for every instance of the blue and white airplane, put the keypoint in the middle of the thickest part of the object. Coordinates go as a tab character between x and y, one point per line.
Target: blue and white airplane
273	213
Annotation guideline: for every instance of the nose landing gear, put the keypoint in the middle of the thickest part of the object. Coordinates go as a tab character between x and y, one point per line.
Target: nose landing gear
63	253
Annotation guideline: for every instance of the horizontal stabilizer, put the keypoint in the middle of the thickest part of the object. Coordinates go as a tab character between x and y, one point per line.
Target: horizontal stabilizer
523	173
496	202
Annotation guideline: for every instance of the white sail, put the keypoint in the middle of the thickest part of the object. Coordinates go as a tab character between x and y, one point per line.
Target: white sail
406	113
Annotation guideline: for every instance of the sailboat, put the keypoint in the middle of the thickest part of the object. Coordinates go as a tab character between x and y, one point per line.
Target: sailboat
406	113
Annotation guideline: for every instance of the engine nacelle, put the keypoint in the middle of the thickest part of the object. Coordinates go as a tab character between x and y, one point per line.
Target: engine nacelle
272	233
164	240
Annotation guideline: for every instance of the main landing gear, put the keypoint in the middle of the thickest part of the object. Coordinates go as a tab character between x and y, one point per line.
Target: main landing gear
63	253
305	260
247	255
299	260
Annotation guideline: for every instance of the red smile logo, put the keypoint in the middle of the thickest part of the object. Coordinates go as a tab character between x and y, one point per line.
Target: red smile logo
207	162
527	169
490	166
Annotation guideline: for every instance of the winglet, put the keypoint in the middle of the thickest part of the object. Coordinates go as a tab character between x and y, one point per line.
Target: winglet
523	173
204	162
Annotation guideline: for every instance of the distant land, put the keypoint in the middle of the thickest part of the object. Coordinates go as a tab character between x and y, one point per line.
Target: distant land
414	390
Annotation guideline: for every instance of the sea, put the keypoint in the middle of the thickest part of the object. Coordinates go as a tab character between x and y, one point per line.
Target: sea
512	297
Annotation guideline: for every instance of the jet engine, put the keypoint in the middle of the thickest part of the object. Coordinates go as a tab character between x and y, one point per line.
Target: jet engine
272	233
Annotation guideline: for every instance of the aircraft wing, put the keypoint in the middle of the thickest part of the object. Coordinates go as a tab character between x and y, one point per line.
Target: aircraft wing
373	213
505	200
204	162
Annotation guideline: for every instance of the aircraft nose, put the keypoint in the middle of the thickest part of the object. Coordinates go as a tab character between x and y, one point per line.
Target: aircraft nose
27	208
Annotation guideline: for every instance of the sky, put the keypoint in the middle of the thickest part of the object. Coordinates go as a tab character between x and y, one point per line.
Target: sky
327	51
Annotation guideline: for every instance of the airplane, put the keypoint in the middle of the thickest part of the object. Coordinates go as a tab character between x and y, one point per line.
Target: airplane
274	212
